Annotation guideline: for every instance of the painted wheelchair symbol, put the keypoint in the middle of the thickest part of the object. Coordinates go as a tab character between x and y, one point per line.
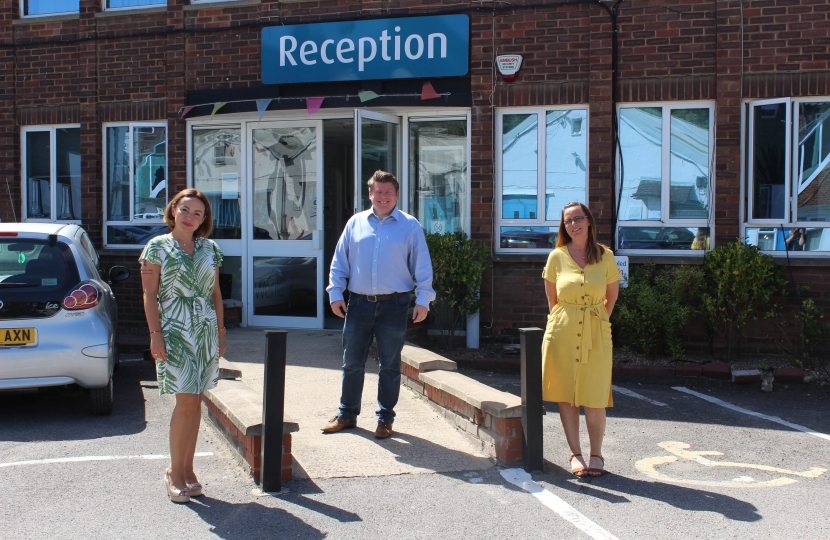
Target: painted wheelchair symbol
648	466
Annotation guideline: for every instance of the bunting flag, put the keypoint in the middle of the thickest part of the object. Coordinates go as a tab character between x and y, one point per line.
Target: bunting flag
313	104
186	110
428	92
262	106
216	107
366	95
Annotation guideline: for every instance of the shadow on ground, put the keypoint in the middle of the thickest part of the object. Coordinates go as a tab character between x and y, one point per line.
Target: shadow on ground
63	413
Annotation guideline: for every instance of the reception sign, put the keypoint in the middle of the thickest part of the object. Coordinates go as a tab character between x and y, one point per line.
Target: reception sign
405	48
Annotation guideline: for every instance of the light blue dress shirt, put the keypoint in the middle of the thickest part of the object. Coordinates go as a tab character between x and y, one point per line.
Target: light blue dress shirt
382	256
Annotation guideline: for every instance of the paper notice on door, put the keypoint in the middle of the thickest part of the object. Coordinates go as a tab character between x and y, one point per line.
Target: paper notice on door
230	186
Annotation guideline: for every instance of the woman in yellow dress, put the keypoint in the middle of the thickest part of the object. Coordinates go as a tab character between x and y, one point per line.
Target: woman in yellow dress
582	283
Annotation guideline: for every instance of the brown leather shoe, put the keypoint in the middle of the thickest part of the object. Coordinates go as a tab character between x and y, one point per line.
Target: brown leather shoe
336	424
384	430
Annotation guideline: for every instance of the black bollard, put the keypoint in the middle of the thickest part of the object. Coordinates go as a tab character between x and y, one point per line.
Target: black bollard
532	411
273	407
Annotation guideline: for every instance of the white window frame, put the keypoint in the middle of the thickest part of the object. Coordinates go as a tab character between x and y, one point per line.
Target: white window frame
53	191
791	172
541	139
665	180
23	15
105	198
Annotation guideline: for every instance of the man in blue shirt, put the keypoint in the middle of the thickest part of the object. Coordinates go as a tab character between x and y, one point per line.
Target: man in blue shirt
381	257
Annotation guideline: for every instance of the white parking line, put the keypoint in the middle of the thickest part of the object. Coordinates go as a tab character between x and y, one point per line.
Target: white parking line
775	419
628	392
91	458
523	480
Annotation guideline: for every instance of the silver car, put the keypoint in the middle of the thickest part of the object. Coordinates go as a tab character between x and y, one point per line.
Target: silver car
58	316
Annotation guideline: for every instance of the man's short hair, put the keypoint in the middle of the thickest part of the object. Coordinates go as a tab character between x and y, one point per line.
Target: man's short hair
385	177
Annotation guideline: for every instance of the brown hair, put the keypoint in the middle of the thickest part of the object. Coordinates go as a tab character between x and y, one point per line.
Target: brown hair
206	227
385	177
594	250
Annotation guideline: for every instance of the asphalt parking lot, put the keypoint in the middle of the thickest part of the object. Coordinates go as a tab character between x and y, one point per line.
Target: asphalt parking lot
681	466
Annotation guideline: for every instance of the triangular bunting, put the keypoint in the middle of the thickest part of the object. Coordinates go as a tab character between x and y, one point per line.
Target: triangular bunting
262	106
313	104
366	95
428	92
216	107
186	110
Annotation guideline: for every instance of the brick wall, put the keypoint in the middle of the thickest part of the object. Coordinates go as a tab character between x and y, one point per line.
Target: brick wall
140	65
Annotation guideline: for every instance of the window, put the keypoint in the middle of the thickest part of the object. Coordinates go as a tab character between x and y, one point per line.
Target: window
664	166
438	173
217	172
52	173
33	8
788	174
135	179
540	170
118	4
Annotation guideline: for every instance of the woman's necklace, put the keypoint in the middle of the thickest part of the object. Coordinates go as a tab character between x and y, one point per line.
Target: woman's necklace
184	245
575	254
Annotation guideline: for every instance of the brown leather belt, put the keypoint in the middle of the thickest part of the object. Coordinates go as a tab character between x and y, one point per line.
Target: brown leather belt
377	297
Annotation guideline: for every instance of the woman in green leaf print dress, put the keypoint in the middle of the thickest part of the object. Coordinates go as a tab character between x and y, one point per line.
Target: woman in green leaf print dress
183	305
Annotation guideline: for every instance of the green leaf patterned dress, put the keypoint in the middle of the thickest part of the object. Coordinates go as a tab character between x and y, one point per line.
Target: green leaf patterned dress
187	313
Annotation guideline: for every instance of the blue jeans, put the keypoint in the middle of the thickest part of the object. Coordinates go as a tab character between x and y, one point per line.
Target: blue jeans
386	322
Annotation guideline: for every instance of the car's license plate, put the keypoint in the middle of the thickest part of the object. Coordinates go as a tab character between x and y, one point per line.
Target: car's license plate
17	336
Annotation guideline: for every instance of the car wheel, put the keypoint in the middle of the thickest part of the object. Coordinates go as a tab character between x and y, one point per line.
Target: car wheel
101	399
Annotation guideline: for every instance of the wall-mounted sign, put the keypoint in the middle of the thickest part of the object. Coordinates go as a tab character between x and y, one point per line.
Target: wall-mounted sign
509	65
622	264
406	48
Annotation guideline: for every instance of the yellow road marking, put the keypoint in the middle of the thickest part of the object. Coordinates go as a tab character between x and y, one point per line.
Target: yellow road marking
648	466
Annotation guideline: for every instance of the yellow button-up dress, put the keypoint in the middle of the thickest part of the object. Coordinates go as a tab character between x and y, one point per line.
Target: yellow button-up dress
576	350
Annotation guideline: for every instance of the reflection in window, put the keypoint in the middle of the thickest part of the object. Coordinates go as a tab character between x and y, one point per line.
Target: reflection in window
379	151
38	174
118	173
137	235
285	286
813	162
63	182
150	171
438	169
768	168
641	149
566	158
664	238
689	192
789	239
49	7
230	278
285	183
519	176
217	172
114	4
528	237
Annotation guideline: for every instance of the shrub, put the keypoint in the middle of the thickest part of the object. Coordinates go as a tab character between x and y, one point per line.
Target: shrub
654	307
458	265
739	281
803	336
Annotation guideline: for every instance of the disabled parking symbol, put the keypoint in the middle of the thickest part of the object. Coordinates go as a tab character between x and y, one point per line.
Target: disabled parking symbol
680	450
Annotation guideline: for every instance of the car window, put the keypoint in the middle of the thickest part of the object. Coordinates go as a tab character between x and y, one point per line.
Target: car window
32	267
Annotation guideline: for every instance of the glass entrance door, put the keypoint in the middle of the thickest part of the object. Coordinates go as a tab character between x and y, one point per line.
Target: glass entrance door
284	229
377	147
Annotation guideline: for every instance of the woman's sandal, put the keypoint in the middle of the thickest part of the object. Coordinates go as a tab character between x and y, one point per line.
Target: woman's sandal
176	495
195	489
593	471
579	472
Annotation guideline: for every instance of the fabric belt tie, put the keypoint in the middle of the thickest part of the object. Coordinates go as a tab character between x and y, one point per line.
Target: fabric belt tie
591	329
197	305
377	297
